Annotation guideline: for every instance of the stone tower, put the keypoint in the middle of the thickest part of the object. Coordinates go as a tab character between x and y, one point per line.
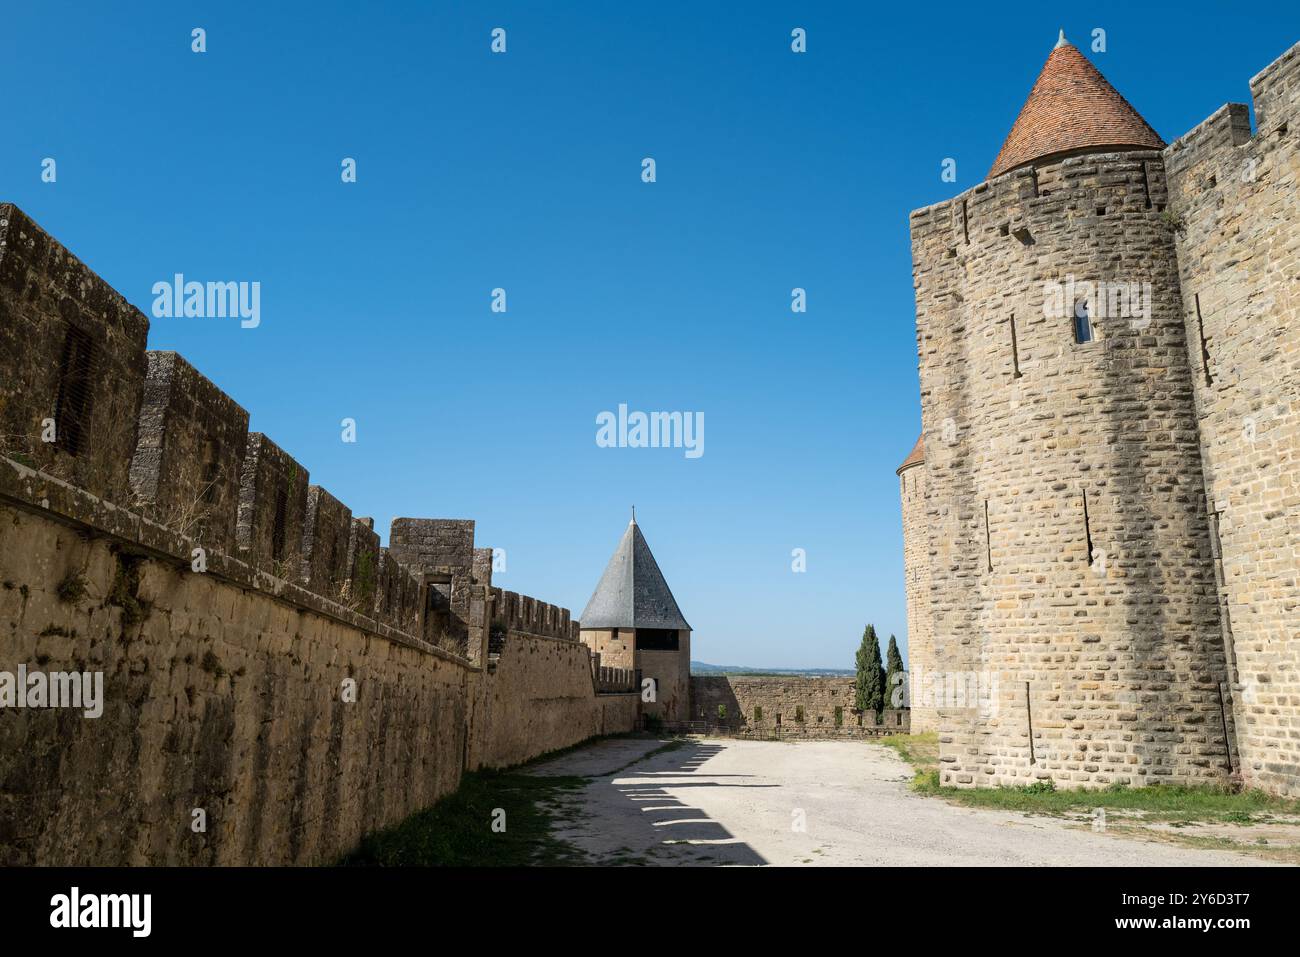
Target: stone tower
632	621
1072	594
916	570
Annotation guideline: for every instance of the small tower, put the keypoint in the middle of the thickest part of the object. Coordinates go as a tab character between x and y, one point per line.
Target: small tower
632	621
916	575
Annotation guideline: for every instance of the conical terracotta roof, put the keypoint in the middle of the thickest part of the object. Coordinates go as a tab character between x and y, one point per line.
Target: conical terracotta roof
1072	107
632	592
916	456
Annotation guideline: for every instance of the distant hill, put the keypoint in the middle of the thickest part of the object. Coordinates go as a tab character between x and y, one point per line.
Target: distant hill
704	668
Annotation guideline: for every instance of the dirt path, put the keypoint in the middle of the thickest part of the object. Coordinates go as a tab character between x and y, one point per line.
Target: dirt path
741	802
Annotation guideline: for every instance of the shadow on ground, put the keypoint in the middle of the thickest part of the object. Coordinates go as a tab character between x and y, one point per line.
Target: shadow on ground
634	810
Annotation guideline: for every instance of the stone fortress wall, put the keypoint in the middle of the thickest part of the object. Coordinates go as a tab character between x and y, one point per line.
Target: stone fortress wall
1101	516
267	666
1237	200
791	707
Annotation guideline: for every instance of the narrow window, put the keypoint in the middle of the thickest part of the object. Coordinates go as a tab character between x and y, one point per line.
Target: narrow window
1082	322
72	411
988	542
839	716
798	713
1015	348
1029	720
1087	526
965	221
758	713
1146	184
778	719
277	526
211	473
1205	345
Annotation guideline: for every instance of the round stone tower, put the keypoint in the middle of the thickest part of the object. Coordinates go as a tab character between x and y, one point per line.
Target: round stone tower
1072	596
916	575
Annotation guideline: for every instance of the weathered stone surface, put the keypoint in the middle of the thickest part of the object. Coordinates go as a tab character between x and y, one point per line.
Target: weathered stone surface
1238	247
1111	524
190	444
228	644
72	351
797	707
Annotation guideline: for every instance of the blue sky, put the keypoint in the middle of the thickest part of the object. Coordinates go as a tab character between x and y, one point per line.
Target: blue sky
523	171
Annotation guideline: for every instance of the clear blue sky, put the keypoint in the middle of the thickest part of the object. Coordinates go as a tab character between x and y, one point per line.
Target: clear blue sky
522	171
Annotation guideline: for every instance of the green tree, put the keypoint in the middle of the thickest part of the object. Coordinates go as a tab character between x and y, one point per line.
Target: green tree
870	689
894	666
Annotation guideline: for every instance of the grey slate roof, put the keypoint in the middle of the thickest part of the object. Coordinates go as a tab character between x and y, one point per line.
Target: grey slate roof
632	592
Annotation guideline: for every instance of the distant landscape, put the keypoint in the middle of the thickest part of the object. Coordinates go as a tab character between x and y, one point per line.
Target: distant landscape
704	668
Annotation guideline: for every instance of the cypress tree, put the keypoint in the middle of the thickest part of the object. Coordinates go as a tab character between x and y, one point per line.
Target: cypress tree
894	666
870	689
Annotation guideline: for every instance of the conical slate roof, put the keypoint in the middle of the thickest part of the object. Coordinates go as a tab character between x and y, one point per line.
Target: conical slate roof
1072	107
632	592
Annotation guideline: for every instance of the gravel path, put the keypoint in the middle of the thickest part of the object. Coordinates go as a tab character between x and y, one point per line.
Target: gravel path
741	802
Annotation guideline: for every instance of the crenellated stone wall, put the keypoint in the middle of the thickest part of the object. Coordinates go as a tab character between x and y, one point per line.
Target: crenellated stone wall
275	684
793	707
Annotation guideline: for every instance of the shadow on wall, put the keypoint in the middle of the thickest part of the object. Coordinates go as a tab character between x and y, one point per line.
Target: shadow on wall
665	819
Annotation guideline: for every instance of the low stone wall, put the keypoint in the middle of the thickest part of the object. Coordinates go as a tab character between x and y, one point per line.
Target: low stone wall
539	696
793	707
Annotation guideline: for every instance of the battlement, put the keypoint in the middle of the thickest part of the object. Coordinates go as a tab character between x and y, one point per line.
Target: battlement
82	402
1223	151
72	363
1008	210
520	613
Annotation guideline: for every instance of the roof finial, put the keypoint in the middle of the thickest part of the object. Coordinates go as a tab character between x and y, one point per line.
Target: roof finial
633	522
1061	41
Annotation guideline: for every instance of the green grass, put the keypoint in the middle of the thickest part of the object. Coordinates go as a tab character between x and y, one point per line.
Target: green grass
457	831
1155	802
921	751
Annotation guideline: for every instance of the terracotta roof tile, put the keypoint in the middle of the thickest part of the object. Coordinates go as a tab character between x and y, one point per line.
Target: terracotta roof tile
916	456
1072	107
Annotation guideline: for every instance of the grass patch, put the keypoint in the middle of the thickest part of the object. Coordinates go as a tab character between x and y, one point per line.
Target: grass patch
1155	802
457	831
921	751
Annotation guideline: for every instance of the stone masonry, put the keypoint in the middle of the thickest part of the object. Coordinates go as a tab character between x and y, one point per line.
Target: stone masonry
264	660
789	707
1110	517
